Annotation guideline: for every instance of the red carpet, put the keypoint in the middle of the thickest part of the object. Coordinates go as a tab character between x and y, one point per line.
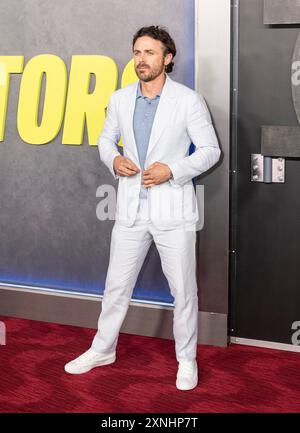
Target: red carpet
233	379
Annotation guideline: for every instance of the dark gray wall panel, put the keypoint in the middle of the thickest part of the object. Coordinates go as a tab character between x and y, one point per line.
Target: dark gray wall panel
267	297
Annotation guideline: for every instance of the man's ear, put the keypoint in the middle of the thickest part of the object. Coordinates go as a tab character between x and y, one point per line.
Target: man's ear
168	59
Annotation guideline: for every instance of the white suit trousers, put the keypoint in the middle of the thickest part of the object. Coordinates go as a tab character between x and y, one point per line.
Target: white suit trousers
128	249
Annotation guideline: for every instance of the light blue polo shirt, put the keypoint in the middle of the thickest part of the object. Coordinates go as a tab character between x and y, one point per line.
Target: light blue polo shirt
144	112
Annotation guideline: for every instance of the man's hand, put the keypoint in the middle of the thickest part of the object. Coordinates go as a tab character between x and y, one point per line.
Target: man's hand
124	166
156	173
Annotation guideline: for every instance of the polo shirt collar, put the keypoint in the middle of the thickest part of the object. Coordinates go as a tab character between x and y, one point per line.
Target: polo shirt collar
139	92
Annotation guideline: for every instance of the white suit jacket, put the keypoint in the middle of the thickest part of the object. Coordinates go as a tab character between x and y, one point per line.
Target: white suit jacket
182	117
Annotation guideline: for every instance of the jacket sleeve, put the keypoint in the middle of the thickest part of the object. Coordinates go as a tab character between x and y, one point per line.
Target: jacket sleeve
203	136
109	137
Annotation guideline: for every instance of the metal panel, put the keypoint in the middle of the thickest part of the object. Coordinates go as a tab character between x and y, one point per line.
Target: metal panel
280	141
267	344
267	169
213	82
267	297
233	163
281	11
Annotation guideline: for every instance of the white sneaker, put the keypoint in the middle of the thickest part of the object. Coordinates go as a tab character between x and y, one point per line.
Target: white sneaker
89	360
187	375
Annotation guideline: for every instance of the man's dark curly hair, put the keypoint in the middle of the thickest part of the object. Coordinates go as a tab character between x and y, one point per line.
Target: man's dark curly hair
160	34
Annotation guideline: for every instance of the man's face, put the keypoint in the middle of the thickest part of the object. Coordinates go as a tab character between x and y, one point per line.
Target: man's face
149	59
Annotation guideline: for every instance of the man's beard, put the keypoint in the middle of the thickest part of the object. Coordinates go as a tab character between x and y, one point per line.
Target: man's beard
148	74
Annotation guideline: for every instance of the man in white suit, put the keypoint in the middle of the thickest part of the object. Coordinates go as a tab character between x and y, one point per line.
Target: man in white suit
157	119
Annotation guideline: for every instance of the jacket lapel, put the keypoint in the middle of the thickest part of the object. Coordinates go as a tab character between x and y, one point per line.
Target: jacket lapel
130	113
163	114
